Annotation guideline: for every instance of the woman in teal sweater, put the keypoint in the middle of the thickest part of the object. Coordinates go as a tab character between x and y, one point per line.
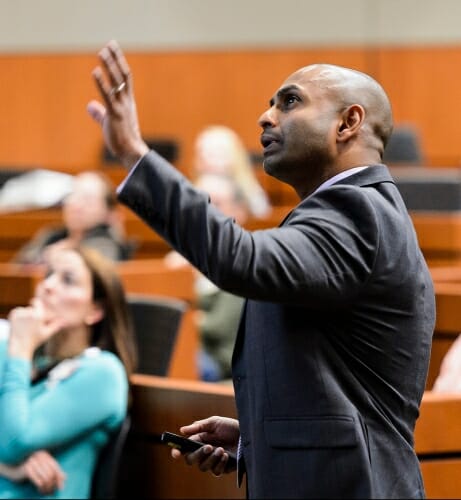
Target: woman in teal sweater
57	410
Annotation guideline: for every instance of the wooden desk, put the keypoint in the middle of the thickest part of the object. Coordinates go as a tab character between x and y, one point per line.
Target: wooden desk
439	235
161	404
438	444
16	229
152	276
447	325
446	274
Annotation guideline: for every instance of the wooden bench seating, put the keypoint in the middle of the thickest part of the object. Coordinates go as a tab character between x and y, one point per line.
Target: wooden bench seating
439	234
16	229
438	444
150	276
447	326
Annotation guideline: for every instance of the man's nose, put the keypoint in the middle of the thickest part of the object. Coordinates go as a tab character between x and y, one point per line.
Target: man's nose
268	118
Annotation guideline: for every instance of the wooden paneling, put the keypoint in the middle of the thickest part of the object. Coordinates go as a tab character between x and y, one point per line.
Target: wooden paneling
44	120
423	85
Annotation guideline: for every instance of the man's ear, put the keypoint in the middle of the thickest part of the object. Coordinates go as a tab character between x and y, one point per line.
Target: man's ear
351	120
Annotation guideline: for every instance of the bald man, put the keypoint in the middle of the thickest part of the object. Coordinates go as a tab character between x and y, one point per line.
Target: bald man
333	347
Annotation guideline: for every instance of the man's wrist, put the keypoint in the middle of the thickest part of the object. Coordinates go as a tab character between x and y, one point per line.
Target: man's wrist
129	160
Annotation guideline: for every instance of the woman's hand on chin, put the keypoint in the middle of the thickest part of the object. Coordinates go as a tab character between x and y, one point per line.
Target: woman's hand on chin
30	328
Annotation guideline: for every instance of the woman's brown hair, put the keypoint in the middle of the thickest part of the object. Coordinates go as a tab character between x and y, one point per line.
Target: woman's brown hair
114	332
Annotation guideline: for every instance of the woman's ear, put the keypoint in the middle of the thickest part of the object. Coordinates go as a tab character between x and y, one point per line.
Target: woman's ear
94	315
351	120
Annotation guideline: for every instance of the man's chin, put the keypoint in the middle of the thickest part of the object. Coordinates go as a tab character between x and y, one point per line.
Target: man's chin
269	167
272	167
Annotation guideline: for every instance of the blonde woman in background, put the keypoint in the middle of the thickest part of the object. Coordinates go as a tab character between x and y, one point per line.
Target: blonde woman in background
220	151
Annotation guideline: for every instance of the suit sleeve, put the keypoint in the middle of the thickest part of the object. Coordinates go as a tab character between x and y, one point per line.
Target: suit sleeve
324	253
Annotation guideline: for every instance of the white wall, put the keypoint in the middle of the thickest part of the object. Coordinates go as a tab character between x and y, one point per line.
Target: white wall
79	25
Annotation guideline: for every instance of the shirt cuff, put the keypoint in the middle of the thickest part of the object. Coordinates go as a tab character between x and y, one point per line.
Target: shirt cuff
125	180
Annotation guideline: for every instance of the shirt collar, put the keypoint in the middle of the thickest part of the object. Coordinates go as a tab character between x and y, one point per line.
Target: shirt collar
339	177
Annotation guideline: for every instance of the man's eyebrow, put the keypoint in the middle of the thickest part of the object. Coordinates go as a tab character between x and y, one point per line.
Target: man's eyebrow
284	91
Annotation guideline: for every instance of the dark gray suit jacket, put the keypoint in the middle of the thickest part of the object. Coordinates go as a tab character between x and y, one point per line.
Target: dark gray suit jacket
332	353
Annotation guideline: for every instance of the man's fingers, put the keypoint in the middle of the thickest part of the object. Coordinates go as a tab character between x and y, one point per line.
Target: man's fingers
120	61
103	88
206	457
108	58
97	111
220	468
176	454
213	462
195	429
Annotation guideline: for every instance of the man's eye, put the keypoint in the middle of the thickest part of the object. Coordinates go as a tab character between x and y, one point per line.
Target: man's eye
291	99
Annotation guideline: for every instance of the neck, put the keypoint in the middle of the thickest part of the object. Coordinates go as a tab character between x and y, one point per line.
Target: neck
309	188
68	343
75	236
358	158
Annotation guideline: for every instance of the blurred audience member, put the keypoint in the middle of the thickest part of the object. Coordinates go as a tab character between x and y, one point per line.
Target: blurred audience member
218	312
90	218
220	151
449	377
65	362
34	189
